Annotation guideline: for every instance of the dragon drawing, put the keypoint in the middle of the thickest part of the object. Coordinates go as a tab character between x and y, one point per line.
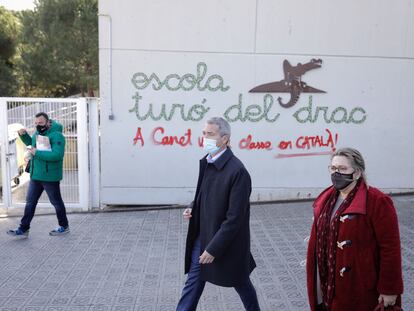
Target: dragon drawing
292	82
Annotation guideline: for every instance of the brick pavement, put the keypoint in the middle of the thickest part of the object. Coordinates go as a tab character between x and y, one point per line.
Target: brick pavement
134	261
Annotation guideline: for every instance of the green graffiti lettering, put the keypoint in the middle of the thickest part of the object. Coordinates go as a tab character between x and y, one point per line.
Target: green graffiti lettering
362	119
337	111
308	113
195	113
220	84
252	113
140	80
168	81
187	82
268	103
324	110
201	73
157	84
338	115
236	108
190	79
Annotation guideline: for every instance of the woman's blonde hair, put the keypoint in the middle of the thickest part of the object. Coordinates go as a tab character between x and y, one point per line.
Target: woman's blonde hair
354	157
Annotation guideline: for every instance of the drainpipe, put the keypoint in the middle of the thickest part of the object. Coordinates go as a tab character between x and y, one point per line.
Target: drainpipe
111	111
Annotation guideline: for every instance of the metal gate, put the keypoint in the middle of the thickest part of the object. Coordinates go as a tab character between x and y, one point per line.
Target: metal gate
16	113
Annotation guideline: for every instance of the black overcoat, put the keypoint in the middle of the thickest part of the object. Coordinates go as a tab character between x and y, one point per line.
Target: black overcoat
220	215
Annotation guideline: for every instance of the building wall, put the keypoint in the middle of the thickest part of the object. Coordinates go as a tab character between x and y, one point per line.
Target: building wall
187	61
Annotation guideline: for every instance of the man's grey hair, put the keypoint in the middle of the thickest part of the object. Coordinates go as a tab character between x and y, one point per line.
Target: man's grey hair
223	125
354	157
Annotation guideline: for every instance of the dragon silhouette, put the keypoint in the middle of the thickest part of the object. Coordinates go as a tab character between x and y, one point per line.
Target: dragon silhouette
292	83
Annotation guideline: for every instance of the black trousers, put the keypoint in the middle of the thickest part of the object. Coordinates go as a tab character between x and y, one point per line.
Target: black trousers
33	194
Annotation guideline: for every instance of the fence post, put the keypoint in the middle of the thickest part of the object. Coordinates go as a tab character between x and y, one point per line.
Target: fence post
24	117
94	153
4	141
83	155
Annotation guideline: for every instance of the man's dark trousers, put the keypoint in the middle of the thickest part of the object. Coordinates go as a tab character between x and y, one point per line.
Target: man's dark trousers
34	192
194	287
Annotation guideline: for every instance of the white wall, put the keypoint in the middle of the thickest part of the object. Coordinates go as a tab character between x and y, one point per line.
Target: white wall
367	49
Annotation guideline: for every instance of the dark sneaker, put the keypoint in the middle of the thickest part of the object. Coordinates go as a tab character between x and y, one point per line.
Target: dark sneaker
59	231
19	233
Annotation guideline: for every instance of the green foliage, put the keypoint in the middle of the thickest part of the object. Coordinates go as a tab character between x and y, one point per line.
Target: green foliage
8	81
8	42
8	34
57	51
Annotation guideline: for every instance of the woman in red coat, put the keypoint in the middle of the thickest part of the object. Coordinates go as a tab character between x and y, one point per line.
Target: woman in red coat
354	254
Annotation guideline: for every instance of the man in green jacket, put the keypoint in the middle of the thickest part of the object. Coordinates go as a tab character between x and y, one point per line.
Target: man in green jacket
45	166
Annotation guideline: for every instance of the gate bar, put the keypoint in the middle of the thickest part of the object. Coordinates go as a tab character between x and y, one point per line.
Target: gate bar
4	132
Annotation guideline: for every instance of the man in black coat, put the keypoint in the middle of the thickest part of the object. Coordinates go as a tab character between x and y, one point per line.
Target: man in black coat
218	239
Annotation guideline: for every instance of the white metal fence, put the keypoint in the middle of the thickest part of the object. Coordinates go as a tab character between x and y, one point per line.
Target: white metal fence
20	112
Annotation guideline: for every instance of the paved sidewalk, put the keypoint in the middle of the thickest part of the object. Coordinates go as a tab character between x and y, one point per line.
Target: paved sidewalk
134	261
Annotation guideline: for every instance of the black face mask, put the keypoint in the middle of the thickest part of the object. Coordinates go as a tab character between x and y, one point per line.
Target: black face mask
41	129
341	181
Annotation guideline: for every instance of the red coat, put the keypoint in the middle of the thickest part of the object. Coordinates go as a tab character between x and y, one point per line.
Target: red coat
373	258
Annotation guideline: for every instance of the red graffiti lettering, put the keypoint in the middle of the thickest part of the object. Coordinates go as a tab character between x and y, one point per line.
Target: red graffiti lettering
308	142
201	141
307	154
138	136
247	143
285	145
169	140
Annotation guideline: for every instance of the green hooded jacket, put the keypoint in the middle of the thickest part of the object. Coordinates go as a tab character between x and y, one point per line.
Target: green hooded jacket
47	165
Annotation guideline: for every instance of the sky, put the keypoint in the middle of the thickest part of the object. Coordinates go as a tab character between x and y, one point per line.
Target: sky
17	5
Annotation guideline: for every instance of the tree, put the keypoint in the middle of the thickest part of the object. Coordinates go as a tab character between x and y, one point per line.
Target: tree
59	48
8	42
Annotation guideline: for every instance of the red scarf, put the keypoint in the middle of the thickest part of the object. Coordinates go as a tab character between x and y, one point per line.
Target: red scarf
327	235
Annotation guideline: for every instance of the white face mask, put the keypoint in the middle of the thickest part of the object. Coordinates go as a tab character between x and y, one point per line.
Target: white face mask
210	146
